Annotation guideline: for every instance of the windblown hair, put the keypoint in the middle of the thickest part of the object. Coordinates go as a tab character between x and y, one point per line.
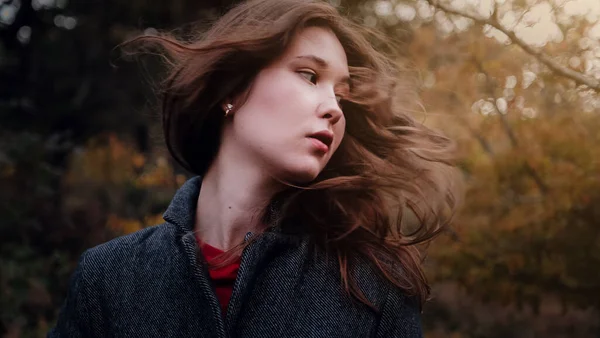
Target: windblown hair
391	184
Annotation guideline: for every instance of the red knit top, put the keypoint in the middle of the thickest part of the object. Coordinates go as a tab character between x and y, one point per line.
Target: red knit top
223	277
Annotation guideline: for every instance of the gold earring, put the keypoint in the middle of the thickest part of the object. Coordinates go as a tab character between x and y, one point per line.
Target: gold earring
228	108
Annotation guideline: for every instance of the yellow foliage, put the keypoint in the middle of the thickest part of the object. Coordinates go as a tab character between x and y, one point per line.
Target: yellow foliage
138	161
157	174
530	153
7	171
108	166
122	225
104	160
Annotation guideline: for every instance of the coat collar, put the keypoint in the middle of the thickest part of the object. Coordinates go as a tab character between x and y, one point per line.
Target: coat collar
182	210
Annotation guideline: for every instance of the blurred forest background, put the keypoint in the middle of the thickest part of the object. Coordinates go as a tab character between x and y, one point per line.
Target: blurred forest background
515	82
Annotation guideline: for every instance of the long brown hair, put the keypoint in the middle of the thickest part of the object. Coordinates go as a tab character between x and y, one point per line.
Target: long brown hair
391	184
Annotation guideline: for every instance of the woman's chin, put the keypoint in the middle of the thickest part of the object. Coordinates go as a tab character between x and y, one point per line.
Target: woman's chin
299	170
301	175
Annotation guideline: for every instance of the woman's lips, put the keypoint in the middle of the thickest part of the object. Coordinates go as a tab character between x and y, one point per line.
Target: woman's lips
322	140
319	145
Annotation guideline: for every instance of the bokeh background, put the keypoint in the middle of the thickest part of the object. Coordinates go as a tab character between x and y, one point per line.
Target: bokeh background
514	82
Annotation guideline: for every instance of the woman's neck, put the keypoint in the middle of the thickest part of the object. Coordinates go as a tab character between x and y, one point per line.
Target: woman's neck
231	202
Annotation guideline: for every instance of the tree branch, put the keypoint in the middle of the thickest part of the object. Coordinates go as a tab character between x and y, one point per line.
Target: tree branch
454	98
529	169
559	69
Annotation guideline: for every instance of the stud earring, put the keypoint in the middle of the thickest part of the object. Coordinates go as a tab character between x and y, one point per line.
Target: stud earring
228	108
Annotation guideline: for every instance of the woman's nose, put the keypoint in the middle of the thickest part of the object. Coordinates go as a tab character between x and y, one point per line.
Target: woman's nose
330	109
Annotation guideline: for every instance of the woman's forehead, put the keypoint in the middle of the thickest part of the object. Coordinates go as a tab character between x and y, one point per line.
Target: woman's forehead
319	45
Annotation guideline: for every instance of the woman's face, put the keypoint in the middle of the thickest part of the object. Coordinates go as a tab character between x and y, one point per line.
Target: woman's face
292	123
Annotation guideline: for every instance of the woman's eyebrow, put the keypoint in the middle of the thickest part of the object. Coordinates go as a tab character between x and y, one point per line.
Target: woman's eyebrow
323	64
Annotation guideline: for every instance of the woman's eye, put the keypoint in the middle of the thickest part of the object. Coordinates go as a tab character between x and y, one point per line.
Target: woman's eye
310	76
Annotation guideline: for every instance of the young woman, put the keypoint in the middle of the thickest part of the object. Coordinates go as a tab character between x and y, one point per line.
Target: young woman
313	189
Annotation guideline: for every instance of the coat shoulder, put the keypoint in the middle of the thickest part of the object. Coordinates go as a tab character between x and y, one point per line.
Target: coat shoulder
149	247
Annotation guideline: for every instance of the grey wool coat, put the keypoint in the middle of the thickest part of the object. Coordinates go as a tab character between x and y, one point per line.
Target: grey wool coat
155	283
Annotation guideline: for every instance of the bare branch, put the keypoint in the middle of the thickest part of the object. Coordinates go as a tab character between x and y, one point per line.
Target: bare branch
559	69
520	19
456	99
489	88
495	13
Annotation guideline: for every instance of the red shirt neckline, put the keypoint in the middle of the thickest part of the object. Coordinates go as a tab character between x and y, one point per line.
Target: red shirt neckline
223	277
